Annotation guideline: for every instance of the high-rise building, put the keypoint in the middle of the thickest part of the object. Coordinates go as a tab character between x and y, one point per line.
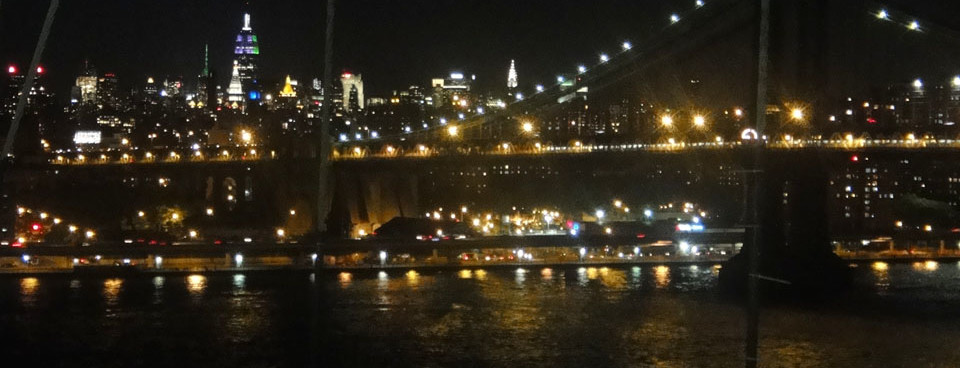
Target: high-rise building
206	87
353	100
87	86
235	90
288	91
108	91
246	52
512	77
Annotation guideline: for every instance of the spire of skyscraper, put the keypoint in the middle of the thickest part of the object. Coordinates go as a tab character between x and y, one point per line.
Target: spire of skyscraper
512	76
206	60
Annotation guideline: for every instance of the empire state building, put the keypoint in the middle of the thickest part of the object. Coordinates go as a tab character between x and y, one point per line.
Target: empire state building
246	54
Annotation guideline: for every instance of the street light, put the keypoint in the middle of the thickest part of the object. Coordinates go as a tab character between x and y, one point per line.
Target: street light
674	18
914	26
882	14
453	130
246	136
796	114
527	127
383	258
604	58
666	120
581	69
699	121
626	45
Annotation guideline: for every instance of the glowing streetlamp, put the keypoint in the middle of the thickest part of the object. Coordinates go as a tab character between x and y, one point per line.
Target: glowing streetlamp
882	14
453	130
796	114
527	127
246	136
674	18
604	58
666	120
699	121
383	258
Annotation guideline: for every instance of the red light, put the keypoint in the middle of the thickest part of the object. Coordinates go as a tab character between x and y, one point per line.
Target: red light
17	245
12	69
35	227
641	235
40	70
347	75
217	242
955	230
854	158
871	120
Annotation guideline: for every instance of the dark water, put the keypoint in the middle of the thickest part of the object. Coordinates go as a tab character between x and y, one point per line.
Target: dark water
907	315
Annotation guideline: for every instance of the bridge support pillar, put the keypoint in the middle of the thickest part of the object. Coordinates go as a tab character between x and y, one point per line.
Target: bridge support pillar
794	245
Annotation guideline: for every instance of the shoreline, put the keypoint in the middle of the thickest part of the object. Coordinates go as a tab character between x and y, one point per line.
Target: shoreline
126	271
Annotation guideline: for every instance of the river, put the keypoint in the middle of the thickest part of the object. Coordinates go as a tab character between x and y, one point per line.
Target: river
896	315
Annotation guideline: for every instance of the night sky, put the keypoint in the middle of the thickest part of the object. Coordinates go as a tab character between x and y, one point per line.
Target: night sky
392	43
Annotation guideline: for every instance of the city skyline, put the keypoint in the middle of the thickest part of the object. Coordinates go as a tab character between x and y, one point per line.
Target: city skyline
175	49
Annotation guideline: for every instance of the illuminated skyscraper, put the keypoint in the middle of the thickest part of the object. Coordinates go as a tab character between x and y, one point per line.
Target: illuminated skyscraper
86	87
247	51
235	90
206	87
352	92
512	77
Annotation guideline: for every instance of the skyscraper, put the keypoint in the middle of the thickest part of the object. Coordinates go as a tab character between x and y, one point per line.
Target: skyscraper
352	92
247	51
206	87
87	86
235	90
512	77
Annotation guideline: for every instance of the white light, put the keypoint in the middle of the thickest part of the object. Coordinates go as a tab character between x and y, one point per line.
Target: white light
374	134
917	83
648	213
343	137
956	81
519	96
539	88
238	259
383	257
684	247
914	26
158	261
699	121
559	79
26	258
581	69
882	14
604	58
699	3
583	252
626	45
674	18
600	214
749	134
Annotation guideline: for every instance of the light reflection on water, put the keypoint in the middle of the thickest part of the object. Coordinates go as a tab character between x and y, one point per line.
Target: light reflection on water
602	316
662	276
111	290
196	284
28	290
